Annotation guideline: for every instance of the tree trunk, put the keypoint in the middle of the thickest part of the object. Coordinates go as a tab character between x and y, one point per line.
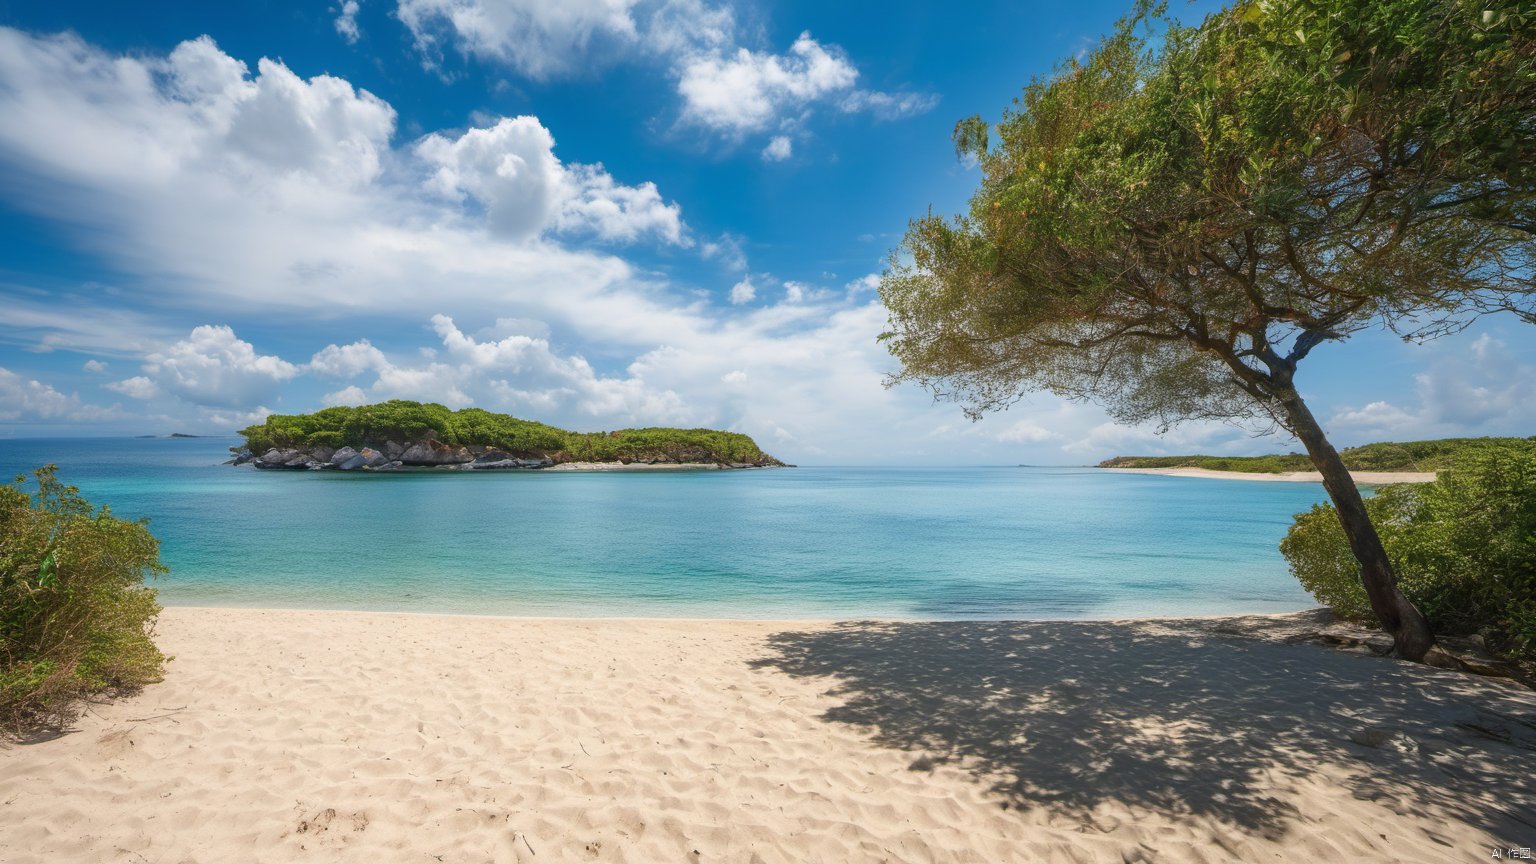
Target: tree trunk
1407	625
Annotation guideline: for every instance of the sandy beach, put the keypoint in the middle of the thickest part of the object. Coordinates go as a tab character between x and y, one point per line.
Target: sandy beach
1365	478
338	736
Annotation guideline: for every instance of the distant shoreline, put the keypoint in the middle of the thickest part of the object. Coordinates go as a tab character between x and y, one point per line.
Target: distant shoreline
1365	478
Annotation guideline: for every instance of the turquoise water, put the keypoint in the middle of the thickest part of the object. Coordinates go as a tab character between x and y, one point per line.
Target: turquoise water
1041	543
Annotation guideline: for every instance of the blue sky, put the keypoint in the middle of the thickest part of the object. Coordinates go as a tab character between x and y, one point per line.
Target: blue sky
597	213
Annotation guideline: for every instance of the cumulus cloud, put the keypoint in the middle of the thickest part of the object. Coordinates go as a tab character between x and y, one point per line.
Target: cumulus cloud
867	282
747	90
510	169
216	368
137	387
222	185
349	395
515	371
743	291
95	367
346	361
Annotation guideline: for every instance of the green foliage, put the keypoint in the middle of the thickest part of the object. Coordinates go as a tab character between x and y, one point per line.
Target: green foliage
1464	547
1435	455
1169	226
75	615
680	445
403	421
324	438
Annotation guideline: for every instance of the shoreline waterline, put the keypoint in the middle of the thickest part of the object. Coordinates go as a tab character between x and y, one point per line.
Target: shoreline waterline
785	622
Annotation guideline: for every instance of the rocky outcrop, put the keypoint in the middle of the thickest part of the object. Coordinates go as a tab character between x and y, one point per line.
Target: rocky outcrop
291	459
430	451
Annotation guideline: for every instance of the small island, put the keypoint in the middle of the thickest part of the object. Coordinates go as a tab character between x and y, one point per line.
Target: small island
1378	463
400	435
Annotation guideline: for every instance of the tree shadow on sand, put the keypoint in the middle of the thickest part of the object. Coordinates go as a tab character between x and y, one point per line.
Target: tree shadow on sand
1181	717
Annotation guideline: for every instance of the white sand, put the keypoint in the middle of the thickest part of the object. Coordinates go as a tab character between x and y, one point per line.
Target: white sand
284	736
1367	478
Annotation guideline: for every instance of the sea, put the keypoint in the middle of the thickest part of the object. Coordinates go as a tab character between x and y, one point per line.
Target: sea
1005	542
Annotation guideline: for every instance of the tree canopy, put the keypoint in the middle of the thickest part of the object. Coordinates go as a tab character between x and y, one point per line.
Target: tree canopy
1171	226
1277	177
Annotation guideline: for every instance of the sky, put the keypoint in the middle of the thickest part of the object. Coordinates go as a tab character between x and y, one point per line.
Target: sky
594	213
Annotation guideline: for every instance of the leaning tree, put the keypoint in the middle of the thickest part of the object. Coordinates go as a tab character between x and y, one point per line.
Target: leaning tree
1171	226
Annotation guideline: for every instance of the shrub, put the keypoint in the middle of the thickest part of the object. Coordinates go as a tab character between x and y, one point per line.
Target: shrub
1464	547
75	615
324	438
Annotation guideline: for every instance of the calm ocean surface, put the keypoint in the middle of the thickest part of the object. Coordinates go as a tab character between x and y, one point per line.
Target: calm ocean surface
1002	542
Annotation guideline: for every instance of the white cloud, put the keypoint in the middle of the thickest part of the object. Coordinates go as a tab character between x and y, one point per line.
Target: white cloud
724	86
746	91
867	282
515	372
778	149
30	401
346	22
214	367
540	38
1376	417
159	163
743	291
551	38
1481	389
137	387
511	170
345	361
350	395
232	420
96	367
888	106
749	91
1026	432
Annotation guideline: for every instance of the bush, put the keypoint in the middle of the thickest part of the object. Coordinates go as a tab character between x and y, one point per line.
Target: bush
75	615
1464	548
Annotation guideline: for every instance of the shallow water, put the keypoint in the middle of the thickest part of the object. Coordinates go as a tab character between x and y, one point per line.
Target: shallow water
1004	542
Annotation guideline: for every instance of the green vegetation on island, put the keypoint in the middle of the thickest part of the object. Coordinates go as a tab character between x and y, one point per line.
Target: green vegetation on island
1174	223
401	422
1436	455
1463	547
75	615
